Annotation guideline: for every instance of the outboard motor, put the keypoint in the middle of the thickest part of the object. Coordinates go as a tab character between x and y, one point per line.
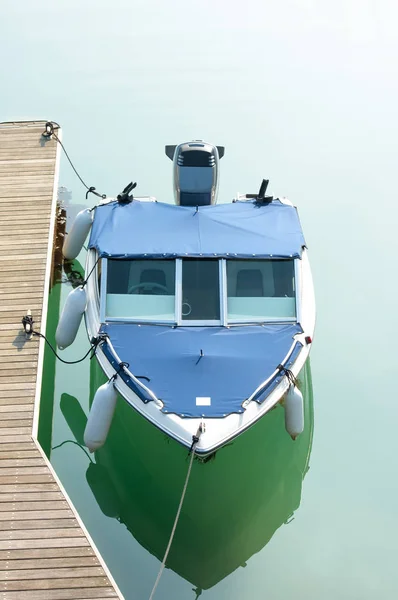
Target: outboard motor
195	172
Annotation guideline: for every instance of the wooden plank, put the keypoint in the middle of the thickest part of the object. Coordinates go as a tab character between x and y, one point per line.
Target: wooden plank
31	534
9	222
34	505
26	242
18	447
21	356
17	553
24	364
40	152
28	275
24	210
6	439
26	146
28	400
60	573
16	396
18	454
17	430
22	486
18	354
29	168
12	408
25	206
100	593
10	153
44	200
30	496
25	251
10	227
50	584
14	423
29	260
47	563
44	524
37	266
17	137
13	415
13	191
27	161
18	373
21	385
10	418
18	178
14	479
17	337
15	343
43	470
31	139
21	292
23	462
21	289
17	377
20	305
65	542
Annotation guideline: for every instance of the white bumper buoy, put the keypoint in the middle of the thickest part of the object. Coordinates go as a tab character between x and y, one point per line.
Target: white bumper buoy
71	317
294	412
76	237
100	417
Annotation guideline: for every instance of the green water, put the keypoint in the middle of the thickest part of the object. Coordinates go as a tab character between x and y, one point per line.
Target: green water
304	93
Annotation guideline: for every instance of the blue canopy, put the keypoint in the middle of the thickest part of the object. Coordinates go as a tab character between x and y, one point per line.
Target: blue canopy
223	365
158	230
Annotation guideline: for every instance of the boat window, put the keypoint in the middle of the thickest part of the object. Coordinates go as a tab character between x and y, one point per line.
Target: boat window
200	290
260	290
141	289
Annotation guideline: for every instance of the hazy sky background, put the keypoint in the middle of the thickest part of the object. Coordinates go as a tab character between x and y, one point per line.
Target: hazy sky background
304	93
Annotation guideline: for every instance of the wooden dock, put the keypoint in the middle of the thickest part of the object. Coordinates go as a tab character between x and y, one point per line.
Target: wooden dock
45	553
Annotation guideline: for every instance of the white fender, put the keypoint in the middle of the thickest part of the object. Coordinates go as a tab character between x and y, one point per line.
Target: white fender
76	237
294	412
71	317
100	417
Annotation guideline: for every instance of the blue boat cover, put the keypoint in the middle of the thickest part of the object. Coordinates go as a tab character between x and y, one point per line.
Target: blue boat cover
158	230
235	362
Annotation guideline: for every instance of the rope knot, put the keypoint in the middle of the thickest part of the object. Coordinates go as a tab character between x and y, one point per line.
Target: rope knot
289	374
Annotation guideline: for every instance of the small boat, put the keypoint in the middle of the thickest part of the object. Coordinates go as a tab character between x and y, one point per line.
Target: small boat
202	315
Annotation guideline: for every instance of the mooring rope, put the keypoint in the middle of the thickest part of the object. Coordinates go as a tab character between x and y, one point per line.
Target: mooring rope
50	132
27	322
289	374
195	440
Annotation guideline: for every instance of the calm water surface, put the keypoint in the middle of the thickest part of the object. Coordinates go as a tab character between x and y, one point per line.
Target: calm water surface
304	93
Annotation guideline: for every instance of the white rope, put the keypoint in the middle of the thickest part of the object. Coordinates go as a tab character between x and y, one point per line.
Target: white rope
162	566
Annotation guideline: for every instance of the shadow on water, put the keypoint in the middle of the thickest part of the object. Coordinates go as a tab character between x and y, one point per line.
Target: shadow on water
234	504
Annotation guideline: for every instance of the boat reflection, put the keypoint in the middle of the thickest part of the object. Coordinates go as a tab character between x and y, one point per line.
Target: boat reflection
235	501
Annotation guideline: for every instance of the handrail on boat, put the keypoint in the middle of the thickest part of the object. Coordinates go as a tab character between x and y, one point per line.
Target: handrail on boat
133	378
261	388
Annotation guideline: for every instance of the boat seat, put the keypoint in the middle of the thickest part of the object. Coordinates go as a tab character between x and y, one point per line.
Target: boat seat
249	283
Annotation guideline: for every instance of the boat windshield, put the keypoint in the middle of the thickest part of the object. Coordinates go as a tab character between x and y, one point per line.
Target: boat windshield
206	291
260	290
141	289
200	290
